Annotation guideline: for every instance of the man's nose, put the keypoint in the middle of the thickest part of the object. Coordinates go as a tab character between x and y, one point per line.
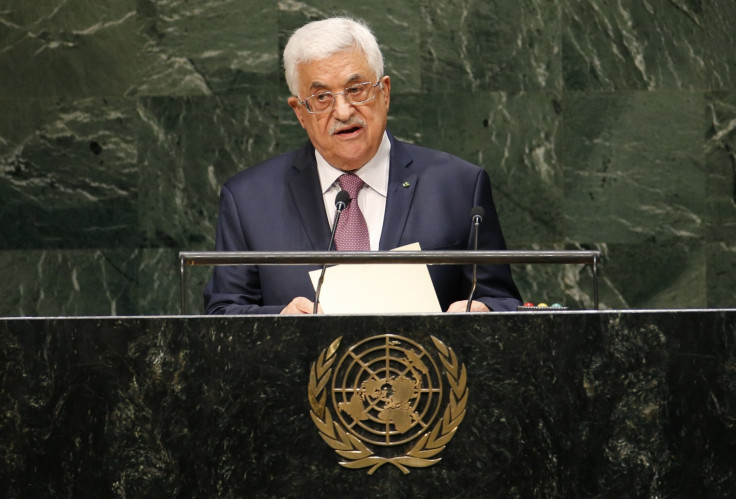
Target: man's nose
342	107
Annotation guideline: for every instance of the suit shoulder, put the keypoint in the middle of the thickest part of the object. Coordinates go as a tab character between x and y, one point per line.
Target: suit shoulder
266	171
425	157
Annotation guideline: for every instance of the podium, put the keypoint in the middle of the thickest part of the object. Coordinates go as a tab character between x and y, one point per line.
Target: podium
559	404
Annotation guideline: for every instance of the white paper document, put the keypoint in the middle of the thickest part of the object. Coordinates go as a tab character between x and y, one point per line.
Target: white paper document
383	288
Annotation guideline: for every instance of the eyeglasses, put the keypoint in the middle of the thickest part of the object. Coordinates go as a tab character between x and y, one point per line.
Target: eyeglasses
355	94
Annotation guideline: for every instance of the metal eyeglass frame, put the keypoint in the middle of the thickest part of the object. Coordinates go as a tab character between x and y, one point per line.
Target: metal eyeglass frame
344	94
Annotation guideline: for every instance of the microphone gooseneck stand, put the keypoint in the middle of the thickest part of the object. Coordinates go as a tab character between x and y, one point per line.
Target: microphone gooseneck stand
341	202
476	215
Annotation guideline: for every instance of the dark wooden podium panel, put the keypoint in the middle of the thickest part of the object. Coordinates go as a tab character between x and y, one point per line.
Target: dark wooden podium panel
567	404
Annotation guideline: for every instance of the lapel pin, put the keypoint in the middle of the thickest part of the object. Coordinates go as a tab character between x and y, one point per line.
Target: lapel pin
405	184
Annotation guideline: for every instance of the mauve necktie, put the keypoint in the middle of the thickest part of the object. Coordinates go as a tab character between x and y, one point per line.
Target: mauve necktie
352	231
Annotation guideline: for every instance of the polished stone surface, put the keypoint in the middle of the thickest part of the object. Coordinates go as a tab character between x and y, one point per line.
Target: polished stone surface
570	404
603	125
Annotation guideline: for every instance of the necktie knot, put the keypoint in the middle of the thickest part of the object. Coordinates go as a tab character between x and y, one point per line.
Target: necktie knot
351	183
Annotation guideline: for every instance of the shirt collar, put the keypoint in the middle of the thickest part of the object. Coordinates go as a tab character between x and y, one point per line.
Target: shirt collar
374	173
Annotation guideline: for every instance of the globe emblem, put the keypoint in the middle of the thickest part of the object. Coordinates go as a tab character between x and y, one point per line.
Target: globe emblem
387	390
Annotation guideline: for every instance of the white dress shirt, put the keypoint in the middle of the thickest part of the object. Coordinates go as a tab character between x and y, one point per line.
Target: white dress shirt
371	198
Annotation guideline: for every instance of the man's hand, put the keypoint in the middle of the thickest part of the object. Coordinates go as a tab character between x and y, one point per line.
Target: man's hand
475	306
300	305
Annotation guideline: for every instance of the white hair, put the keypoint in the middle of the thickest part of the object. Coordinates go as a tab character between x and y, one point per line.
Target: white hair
319	40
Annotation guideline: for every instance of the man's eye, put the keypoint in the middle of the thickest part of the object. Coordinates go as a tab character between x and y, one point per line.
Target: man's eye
353	90
325	97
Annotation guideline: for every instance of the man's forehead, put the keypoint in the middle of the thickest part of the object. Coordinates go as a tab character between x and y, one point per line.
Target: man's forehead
340	68
349	80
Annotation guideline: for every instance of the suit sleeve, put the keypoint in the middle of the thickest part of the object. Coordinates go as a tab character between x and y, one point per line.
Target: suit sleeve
495	286
234	289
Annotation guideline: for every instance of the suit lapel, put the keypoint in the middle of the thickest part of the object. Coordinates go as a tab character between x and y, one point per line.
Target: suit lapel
306	192
401	185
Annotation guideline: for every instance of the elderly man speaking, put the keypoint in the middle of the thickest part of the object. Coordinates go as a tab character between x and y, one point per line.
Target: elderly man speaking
399	193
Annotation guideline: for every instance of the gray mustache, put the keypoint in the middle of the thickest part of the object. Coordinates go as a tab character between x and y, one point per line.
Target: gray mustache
354	120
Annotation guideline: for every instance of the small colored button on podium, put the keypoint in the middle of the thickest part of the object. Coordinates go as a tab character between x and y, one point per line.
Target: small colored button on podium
541	306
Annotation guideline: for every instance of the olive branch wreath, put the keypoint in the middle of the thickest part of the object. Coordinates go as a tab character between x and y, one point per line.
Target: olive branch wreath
356	453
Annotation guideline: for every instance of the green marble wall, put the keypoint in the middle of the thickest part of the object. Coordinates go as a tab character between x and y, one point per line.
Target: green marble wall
608	125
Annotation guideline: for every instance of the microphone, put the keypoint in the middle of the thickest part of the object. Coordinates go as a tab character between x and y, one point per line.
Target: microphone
341	202
476	215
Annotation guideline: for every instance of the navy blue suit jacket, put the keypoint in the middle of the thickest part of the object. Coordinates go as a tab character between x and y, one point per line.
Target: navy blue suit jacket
278	206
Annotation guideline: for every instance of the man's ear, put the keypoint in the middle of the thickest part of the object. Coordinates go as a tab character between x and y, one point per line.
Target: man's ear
298	109
387	90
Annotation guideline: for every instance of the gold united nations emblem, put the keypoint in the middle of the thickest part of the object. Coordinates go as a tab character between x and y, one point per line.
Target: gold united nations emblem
387	391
